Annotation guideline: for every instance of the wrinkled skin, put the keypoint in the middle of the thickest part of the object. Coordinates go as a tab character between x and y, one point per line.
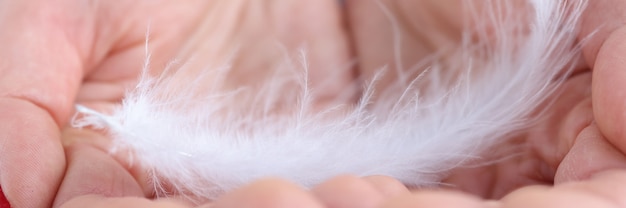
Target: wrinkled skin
57	53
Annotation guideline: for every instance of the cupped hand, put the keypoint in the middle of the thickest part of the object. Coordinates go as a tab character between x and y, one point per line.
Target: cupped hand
583	134
96	179
87	164
52	52
89	52
56	54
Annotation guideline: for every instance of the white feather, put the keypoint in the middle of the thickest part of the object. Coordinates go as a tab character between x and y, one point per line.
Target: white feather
203	141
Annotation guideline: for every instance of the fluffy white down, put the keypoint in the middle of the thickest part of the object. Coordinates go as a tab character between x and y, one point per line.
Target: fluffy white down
202	141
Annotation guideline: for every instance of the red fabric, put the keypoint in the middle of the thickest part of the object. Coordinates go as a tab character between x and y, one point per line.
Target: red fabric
4	203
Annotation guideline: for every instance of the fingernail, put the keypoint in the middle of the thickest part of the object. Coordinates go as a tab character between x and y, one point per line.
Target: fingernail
4	203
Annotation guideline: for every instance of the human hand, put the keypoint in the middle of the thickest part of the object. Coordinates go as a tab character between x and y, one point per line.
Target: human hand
583	135
605	54
90	165
96	179
521	174
56	54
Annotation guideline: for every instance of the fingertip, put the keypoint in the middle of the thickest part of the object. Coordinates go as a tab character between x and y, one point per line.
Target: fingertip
387	186
608	94
542	196
349	191
605	185
98	201
31	160
442	199
268	193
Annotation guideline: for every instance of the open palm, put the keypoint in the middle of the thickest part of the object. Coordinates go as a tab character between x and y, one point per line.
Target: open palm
95	51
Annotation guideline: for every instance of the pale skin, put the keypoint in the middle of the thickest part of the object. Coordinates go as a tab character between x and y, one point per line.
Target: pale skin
55	54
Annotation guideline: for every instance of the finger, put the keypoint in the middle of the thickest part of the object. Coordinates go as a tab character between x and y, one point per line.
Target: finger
347	192
40	70
599	21
31	156
607	185
387	186
92	171
609	80
603	190
268	193
96	139
442	199
97	201
546	197
590	154
603	29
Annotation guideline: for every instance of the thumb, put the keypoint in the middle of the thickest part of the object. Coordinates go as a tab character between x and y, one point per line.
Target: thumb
40	70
